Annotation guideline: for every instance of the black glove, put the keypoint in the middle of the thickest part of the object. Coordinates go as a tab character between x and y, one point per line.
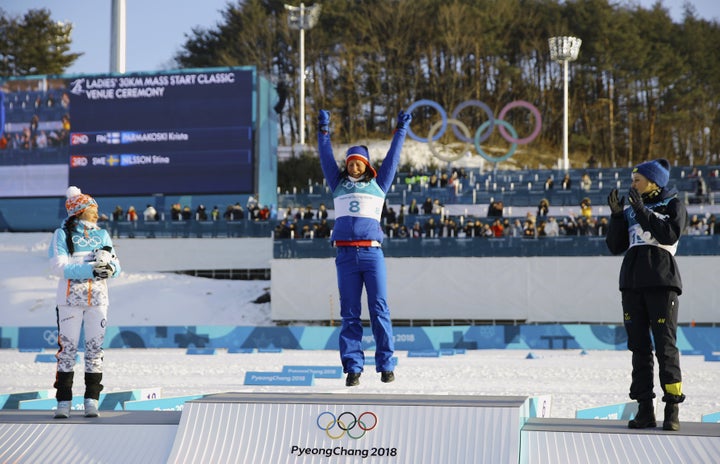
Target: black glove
616	204
103	270
324	121
403	120
635	199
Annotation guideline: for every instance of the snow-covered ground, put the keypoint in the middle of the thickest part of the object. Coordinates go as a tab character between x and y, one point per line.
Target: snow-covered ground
574	380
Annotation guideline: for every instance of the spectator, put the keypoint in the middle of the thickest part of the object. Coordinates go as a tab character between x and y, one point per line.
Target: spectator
700	188
201	213
132	215
713	226
541	229
215	213
322	212
391	217
186	213
150	214
517	229
552	229
430	228
495	209
238	214
584	226
427	206
506	227
401	215
413	208
118	214
586	208
543	209
549	183
585	182
437	207
416	231
323	229
176	212
41	141
566	182
601	227
403	231
497	228
282	230
308	215
529	229
264	213
254	212
571	227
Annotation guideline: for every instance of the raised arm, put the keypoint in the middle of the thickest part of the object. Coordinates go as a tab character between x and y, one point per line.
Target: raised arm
327	158
386	173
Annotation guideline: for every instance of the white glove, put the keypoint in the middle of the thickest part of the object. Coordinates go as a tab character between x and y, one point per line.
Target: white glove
103	255
103	271
103	268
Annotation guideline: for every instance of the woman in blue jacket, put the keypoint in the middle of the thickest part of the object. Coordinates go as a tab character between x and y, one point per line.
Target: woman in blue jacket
82	255
358	196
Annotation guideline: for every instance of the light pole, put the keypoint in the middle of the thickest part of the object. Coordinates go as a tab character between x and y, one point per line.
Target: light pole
302	18
564	49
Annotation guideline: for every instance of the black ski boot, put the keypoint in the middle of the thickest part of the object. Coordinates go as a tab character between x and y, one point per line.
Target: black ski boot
672	419
645	417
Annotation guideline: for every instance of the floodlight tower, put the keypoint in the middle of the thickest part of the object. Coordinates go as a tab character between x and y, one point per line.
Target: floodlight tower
117	37
300	17
565	49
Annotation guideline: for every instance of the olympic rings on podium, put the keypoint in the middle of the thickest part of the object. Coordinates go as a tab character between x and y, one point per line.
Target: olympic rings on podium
461	131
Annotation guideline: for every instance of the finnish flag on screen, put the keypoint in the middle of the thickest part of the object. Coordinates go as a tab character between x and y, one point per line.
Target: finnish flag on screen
113	138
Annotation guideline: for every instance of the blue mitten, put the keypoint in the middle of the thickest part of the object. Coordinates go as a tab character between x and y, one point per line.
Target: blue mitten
324	121
403	121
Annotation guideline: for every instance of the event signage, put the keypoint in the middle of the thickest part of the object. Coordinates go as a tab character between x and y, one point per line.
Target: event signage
178	132
351	428
171	133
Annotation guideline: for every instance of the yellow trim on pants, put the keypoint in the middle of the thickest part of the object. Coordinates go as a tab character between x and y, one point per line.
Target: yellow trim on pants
674	389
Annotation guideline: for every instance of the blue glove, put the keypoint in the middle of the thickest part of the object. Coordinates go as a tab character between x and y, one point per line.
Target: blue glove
635	199
403	121
324	121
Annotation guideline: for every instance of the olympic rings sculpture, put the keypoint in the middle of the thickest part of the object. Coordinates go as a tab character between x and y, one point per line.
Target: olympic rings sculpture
463	134
346	422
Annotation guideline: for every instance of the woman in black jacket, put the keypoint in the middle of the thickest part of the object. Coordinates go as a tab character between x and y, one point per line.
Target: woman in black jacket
648	232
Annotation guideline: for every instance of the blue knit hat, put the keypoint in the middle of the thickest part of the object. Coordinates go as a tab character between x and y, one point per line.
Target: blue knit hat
360	152
657	171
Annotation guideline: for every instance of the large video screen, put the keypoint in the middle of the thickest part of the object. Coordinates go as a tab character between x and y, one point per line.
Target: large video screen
132	134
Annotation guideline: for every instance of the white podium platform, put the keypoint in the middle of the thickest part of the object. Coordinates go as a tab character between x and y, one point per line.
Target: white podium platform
350	428
560	441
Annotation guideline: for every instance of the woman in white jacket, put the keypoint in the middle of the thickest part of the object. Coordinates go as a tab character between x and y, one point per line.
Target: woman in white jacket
82	255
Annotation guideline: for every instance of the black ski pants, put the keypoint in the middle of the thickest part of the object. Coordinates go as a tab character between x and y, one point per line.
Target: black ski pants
652	311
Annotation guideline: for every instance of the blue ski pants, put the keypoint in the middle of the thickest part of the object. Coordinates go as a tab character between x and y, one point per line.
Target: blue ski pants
358	267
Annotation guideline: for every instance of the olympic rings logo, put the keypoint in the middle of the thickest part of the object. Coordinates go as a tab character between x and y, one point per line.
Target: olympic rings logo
93	242
483	132
50	336
346	423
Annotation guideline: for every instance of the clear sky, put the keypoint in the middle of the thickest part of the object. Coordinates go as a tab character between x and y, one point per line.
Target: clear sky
156	29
